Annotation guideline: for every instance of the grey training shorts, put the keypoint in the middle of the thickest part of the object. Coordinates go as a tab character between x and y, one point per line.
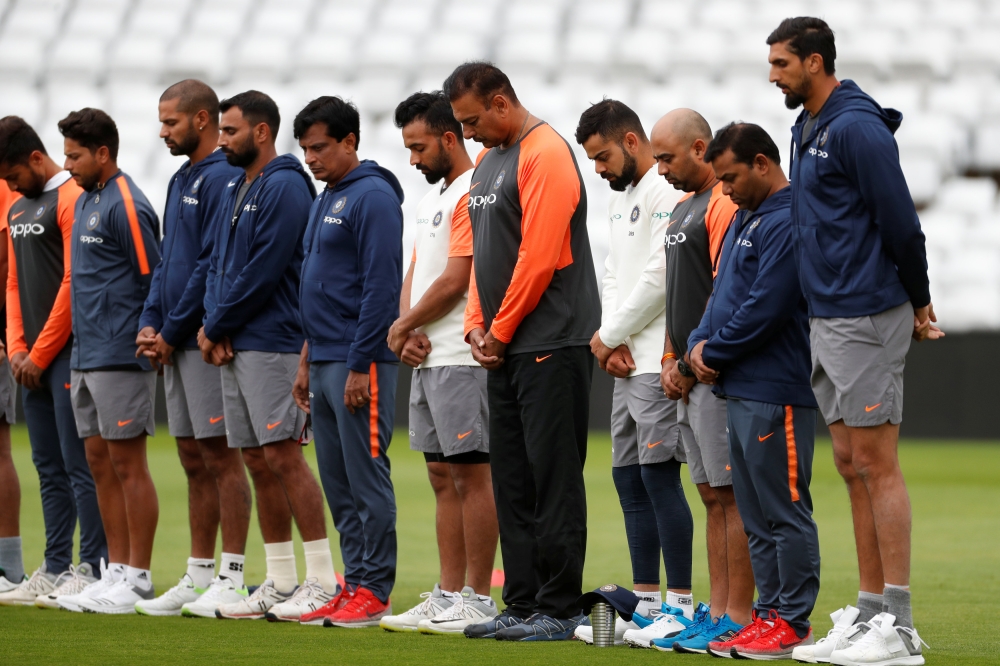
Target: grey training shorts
706	442
115	404
644	426
194	396
858	366
7	394
448	410
257	399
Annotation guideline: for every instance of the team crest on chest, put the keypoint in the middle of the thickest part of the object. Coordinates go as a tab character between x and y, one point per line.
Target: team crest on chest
338	205
687	219
634	217
754	225
436	222
197	184
499	181
93	220
40	211
824	135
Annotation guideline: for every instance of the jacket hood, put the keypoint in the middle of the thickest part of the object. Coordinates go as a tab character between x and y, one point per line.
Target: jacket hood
848	97
291	163
369	168
780	199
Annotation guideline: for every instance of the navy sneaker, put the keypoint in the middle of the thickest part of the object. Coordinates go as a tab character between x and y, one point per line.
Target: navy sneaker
540	627
489	628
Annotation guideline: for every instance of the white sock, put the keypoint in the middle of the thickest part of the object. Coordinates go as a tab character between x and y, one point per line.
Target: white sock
280	559
232	568
319	564
683	601
648	601
117	571
139	578
201	571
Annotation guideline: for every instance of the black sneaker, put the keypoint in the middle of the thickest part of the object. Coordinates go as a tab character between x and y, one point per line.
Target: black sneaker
489	628
540	627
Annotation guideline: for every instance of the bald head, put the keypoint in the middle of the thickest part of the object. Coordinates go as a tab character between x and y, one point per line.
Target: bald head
193	96
679	140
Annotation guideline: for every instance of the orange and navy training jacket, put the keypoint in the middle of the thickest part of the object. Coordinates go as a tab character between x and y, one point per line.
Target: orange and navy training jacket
534	285
38	278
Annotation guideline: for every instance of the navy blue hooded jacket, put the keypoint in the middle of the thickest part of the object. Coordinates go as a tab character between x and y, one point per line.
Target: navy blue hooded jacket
176	304
116	246
252	295
353	269
858	240
755	325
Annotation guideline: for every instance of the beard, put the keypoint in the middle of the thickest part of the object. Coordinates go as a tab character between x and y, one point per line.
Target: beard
630	169
187	145
437	168
797	97
244	156
36	188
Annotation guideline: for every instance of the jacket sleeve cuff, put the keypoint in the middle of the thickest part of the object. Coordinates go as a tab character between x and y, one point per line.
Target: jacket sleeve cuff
359	364
149	319
169	333
42	360
500	335
610	337
212	332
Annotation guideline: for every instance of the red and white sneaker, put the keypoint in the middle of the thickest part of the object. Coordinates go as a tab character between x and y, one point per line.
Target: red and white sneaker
362	610
747	634
319	616
777	643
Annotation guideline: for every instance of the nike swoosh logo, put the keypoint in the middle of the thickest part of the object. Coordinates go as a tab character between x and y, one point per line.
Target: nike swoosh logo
649	446
785	646
464	435
16	215
272	426
868	409
475	186
69	386
215	419
122	424
540	359
230	184
728	468
761	439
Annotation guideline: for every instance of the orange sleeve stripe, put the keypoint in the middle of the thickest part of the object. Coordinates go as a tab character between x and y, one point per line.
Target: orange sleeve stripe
473	309
16	343
719	215
460	243
133	224
793	455
59	325
373	410
549	190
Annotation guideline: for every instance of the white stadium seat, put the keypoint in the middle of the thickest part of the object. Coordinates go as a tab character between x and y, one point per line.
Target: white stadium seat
77	59
21	59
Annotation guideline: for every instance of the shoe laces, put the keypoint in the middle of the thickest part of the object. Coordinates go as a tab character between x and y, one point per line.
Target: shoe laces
259	593
359	600
424	606
757	628
663	618
67	577
310	588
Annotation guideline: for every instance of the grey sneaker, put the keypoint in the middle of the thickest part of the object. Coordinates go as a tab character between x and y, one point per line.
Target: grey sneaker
434	603
471	608
69	583
540	627
490	627
256	605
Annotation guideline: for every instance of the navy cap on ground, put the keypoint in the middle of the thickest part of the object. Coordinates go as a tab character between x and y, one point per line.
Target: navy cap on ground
620	598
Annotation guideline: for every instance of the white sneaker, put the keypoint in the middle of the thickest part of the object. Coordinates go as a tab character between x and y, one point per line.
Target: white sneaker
119	599
41	582
882	645
665	624
171	601
585	632
8	585
221	591
309	597
843	633
434	603
470	608
70	602
69	583
254	606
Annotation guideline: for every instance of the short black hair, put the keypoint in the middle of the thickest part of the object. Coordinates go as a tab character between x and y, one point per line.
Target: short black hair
193	96
341	118
91	128
433	108
17	141
481	78
807	35
256	107
611	119
746	140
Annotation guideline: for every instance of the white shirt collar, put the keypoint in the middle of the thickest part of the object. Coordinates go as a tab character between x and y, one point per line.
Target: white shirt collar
56	181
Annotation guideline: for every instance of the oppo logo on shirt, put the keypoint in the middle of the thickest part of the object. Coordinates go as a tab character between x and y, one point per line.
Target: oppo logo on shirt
660	215
481	201
332	220
26	230
818	153
191	201
745	243
674	239
91	239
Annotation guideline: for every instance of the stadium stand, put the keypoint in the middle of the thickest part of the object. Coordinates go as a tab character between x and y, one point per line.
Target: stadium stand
937	62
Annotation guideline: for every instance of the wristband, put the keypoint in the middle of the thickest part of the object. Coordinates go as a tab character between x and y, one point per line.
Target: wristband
666	356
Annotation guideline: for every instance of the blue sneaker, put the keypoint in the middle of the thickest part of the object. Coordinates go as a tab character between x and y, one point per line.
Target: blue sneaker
702	619
540	627
668	621
489	628
712	630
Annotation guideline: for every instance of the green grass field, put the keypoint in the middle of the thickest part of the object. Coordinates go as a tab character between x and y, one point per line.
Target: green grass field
955	488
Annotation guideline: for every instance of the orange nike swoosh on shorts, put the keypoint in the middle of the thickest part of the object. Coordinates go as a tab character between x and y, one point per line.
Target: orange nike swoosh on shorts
69	386
464	435
272	426
215	419
649	446
761	439
728	468
122	424
868	409
16	215
539	360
